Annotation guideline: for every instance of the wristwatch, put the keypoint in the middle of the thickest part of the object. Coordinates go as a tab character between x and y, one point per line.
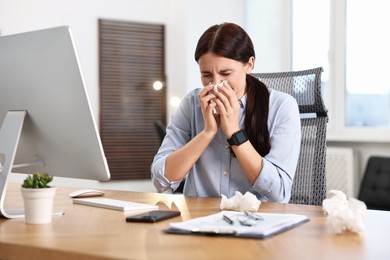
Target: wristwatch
238	138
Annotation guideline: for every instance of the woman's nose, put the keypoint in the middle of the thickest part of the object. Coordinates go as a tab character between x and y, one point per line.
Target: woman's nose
217	80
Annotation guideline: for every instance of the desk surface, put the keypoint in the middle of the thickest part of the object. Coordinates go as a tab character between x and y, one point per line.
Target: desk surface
86	232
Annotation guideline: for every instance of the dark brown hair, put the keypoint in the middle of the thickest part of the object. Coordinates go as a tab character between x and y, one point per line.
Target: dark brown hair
231	41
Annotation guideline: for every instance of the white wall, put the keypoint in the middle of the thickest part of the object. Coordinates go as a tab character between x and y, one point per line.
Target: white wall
185	20
82	16
268	23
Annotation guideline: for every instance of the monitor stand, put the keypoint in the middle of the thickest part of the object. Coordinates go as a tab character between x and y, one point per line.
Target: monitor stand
9	139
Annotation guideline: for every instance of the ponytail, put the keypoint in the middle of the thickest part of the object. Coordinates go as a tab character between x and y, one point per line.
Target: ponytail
256	115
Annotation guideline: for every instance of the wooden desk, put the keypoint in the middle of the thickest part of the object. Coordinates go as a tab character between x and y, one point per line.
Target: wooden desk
94	233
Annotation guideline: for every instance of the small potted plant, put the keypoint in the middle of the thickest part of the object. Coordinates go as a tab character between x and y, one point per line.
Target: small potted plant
38	198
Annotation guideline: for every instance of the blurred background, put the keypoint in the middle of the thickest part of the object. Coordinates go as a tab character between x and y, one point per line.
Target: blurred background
344	37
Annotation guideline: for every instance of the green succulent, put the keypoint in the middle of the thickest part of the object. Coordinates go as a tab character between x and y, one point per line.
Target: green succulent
37	181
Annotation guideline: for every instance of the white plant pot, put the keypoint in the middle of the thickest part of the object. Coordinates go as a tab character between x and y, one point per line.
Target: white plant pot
38	205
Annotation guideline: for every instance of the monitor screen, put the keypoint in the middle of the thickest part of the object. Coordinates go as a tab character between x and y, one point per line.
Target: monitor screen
41	75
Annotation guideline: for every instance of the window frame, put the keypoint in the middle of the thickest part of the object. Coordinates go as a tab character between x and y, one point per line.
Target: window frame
269	23
337	127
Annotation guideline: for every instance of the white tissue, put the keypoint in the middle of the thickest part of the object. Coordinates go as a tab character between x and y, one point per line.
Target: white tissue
215	111
216	85
344	214
247	202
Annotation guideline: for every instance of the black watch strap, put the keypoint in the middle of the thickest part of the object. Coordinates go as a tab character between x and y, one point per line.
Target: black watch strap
238	138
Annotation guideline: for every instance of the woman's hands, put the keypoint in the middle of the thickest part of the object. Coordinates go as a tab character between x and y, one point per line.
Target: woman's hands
226	102
229	109
207	102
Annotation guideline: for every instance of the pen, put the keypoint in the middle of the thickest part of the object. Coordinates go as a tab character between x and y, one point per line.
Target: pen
228	220
253	216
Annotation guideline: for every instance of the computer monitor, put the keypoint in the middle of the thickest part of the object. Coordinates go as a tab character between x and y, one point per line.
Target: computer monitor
46	120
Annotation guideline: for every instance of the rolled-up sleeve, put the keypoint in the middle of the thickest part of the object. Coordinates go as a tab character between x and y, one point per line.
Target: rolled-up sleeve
178	134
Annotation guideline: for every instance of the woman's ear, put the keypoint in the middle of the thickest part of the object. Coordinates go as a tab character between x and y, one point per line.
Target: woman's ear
250	64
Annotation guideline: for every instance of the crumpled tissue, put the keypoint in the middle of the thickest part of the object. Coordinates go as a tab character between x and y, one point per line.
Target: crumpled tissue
247	202
344	214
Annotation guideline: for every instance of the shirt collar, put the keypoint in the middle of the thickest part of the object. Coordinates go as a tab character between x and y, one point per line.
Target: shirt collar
242	101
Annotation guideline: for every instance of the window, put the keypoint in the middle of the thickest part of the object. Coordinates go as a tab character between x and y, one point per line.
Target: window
367	63
348	39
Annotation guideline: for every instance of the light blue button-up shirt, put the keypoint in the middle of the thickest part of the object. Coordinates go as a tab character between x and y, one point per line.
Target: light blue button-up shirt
217	172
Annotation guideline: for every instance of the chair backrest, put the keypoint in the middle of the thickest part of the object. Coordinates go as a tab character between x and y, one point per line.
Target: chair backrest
309	186
160	129
374	188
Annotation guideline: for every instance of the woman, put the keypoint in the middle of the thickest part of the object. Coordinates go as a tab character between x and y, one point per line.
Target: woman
234	134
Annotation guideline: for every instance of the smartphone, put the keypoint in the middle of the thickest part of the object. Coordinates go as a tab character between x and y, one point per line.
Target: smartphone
153	216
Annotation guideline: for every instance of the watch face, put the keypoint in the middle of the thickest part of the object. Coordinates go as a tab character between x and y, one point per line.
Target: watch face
241	137
238	138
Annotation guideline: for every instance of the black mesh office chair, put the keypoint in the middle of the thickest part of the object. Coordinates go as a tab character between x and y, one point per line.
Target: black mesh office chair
309	185
375	186
160	129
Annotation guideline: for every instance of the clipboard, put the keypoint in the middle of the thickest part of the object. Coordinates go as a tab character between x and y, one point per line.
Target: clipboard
238	224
